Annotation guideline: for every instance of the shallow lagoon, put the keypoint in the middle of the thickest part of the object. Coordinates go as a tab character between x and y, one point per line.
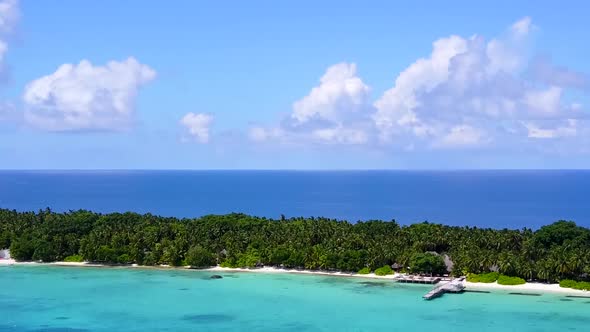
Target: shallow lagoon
44	298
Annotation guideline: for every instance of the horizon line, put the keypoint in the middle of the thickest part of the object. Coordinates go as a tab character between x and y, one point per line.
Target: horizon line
284	169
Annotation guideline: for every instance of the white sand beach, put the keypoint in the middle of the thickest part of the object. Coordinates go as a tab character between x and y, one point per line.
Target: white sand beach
7	262
295	271
529	287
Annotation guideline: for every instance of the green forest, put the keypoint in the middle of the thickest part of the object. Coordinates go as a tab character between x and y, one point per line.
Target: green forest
555	252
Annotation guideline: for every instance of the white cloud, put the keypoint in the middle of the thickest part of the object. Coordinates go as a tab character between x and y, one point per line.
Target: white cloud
522	27
197	125
460	78
468	92
340	92
545	102
9	16
86	97
462	136
396	108
340	135
468	87
566	130
337	111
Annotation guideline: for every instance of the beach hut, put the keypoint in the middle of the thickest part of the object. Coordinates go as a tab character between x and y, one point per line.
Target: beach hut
4	254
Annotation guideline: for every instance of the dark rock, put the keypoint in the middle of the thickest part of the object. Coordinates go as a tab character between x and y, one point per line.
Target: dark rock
59	329
208	318
216	276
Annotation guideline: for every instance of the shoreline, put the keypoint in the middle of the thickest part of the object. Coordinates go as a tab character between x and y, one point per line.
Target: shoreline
268	270
529	287
272	270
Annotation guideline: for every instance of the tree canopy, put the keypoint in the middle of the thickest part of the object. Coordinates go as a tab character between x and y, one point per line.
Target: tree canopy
554	252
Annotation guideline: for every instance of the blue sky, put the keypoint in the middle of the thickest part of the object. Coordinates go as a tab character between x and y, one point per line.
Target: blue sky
294	85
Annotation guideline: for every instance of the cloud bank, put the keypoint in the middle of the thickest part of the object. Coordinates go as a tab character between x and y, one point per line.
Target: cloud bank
468	92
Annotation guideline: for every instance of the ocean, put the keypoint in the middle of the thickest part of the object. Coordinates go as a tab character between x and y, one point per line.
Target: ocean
43	298
497	199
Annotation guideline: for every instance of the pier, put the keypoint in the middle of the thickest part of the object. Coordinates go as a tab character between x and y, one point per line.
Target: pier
417	280
454	286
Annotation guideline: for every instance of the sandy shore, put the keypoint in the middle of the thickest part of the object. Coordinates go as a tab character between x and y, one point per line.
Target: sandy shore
7	262
293	271
529	287
216	269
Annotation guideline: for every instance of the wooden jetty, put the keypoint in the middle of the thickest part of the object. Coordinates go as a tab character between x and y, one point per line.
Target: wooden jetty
418	280
454	286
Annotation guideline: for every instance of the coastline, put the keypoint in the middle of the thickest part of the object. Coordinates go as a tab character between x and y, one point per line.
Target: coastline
211	269
529	287
295	271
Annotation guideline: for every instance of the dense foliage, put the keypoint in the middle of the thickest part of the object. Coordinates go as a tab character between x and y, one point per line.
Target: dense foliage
493	277
198	256
384	270
581	285
506	280
74	259
555	252
427	263
484	277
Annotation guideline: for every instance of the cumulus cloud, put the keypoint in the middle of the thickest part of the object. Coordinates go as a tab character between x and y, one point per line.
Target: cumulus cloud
339	93
86	97
336	111
397	108
468	92
197	126
470	86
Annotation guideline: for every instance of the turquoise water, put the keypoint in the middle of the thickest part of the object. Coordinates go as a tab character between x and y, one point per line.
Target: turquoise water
118	299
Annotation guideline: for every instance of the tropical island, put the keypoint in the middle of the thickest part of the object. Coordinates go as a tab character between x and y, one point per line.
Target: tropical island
559	252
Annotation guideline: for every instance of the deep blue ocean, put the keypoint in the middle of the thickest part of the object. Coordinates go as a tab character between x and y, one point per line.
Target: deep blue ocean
497	199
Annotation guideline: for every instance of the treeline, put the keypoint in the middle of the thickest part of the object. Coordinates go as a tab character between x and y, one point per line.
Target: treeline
555	252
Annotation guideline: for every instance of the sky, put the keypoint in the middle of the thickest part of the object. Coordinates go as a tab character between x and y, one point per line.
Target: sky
294	85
